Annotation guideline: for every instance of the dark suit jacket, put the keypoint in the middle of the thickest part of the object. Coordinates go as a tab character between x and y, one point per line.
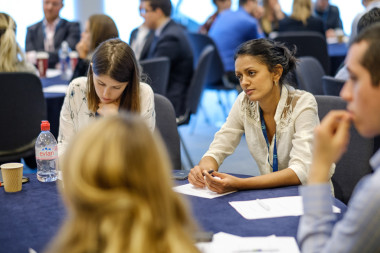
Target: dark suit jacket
69	31
173	43
148	40
289	24
330	18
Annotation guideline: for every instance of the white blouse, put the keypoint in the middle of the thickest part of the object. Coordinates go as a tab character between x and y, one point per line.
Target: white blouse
75	113
296	117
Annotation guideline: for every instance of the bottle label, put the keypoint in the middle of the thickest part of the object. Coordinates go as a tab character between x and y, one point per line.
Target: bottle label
47	153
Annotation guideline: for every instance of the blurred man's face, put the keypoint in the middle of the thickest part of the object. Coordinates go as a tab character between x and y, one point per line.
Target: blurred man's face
150	15
223	4
361	95
51	9
322	5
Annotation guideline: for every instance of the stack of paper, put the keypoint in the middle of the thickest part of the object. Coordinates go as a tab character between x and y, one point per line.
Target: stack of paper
190	189
271	208
223	242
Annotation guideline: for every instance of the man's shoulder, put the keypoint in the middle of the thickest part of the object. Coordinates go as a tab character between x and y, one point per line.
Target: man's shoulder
67	23
35	26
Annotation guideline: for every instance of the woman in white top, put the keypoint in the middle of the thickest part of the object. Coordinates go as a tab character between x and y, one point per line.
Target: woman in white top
112	84
277	120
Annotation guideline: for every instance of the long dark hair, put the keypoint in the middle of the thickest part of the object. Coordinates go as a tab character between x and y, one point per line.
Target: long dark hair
117	60
271	53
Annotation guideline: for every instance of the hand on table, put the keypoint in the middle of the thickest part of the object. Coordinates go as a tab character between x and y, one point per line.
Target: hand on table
196	177
220	182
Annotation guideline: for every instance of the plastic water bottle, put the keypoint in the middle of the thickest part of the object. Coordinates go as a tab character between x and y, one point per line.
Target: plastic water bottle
64	60
46	154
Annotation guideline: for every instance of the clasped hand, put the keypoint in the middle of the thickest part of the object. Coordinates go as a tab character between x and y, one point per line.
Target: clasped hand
216	182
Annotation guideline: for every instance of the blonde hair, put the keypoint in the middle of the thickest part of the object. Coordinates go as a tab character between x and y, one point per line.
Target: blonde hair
118	191
302	10
11	55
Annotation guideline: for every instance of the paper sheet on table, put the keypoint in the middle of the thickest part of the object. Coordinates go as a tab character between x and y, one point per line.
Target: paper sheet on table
271	208
53	72
223	242
57	88
190	189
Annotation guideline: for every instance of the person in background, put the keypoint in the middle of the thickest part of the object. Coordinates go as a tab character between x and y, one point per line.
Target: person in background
358	231
221	5
368	4
272	15
141	38
118	198
232	28
112	84
48	34
98	28
369	18
170	41
12	58
277	120
302	19
330	16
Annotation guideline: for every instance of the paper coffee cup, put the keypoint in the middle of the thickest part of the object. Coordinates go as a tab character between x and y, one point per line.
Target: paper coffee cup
42	63
73	59
12	176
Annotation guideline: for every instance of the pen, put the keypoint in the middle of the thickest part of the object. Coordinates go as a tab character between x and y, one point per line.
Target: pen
263	205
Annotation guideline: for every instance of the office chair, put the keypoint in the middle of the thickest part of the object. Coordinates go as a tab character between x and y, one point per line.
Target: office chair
332	86
195	90
354	163
167	126
309	73
216	77
308	44
157	72
22	107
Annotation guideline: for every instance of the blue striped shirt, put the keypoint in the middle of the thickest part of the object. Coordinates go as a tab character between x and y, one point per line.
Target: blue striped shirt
358	231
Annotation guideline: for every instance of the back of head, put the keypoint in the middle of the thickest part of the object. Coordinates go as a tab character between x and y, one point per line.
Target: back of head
117	60
243	2
369	18
10	52
164	5
371	58
102	28
118	191
271	53
302	10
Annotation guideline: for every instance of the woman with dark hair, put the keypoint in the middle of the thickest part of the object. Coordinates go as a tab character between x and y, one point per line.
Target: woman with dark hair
98	28
112	83
277	120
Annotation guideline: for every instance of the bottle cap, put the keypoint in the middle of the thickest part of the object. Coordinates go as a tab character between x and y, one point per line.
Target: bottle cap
45	125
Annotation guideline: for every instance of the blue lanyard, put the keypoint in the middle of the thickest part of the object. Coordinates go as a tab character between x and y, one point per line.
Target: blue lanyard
263	127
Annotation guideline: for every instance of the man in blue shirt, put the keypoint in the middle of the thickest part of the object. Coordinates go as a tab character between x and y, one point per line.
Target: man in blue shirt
231	28
358	231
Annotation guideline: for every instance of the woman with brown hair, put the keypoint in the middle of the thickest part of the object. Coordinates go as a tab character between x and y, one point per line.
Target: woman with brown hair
118	198
112	83
98	28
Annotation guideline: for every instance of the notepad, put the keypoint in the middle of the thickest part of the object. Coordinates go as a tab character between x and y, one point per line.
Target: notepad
271	208
190	189
228	243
